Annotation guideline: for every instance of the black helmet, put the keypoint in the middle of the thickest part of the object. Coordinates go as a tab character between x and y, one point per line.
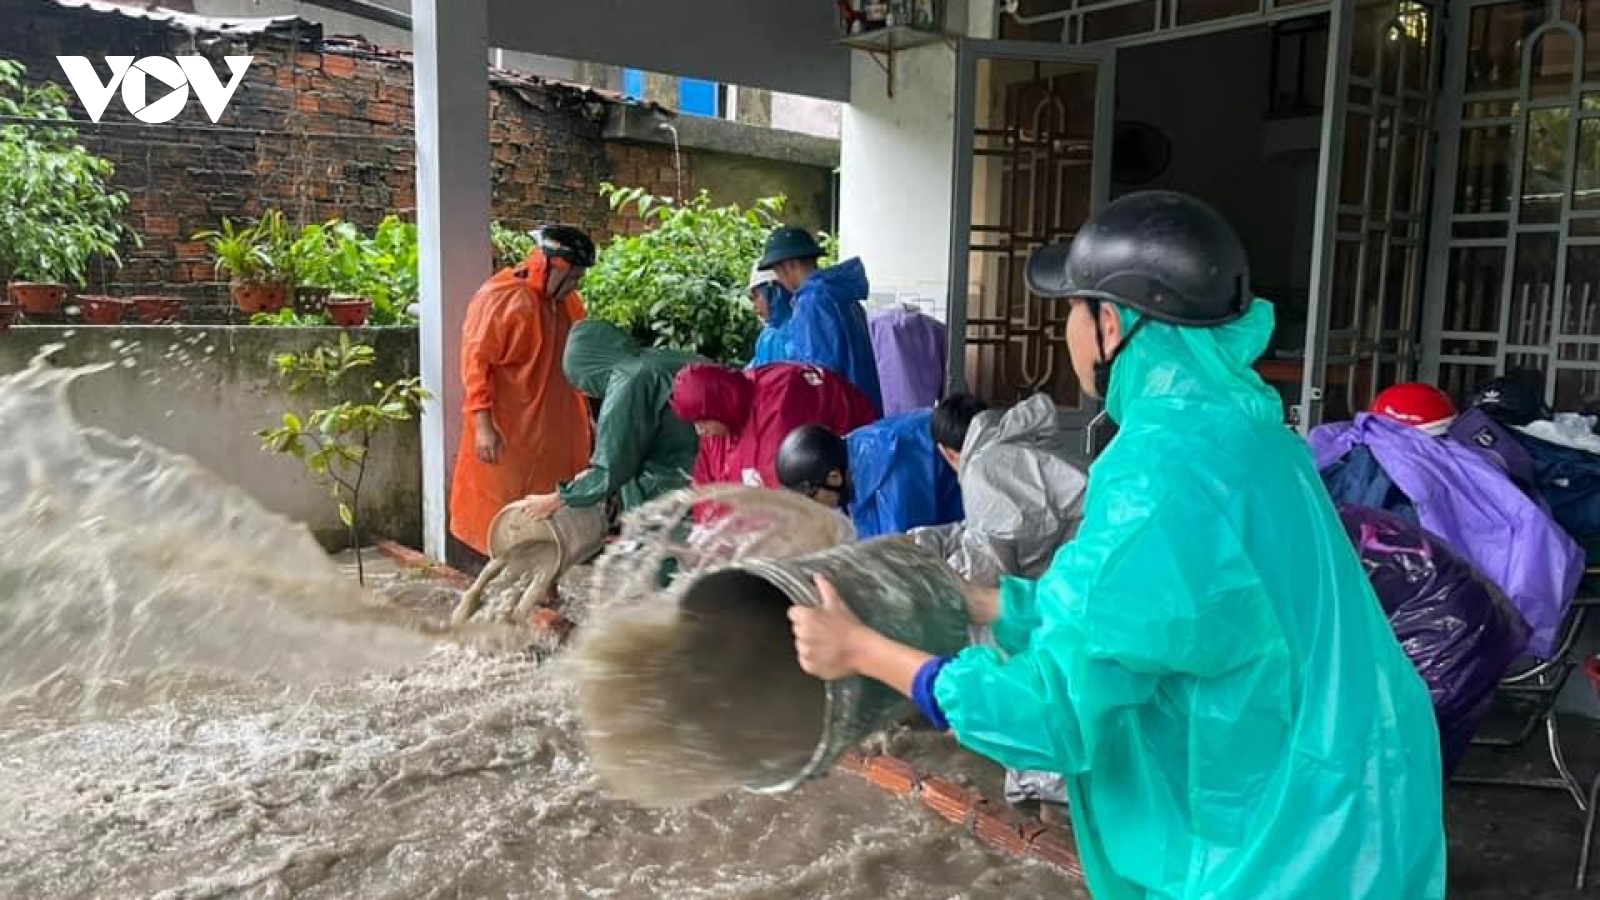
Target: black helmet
1510	400
808	456
1164	254
568	242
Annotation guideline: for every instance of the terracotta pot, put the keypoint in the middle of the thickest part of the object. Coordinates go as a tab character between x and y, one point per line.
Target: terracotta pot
349	312
308	301
8	315
253	297
38	299
98	310
158	310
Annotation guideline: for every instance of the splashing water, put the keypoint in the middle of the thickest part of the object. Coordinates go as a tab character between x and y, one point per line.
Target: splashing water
196	703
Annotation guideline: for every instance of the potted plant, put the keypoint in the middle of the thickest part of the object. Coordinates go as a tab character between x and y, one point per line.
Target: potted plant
253	259
349	312
158	310
309	259
100	310
57	209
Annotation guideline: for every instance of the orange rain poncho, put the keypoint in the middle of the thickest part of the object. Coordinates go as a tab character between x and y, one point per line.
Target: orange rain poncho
511	348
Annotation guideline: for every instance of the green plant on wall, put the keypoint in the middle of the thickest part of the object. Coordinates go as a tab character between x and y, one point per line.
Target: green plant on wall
263	252
340	257
335	443
58	212
511	246
681	283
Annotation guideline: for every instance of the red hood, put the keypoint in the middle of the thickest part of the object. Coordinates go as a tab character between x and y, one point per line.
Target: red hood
708	393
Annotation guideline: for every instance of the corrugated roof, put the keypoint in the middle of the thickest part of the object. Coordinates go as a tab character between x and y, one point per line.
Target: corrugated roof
196	24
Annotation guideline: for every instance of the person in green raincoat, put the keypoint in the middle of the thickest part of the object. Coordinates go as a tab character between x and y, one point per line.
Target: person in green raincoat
642	450
1205	662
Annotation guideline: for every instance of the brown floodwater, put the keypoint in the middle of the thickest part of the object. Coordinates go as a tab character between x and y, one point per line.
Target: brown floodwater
196	703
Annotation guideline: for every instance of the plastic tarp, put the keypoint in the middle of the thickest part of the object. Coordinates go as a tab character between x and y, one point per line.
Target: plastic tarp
910	347
829	327
641	449
898	481
1206	663
1458	629
1471	505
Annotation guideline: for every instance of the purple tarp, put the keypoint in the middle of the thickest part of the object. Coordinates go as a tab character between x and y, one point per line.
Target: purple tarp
910	347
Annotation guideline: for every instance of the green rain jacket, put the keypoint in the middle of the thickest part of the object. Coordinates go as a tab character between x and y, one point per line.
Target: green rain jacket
641	449
1206	662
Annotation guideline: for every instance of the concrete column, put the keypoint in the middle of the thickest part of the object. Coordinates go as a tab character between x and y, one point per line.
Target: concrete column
451	45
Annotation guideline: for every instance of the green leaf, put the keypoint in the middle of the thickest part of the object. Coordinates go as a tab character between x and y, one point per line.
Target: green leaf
347	515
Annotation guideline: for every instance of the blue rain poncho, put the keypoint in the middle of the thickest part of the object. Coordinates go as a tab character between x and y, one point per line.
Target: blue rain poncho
772	344
898	481
828	327
1206	662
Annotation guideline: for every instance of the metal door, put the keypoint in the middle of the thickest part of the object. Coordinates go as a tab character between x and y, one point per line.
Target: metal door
1032	164
1515	277
1373	179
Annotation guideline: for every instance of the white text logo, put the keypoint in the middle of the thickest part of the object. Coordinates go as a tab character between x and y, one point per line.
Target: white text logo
175	76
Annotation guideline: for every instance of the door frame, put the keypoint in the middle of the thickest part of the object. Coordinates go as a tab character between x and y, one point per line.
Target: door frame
969	52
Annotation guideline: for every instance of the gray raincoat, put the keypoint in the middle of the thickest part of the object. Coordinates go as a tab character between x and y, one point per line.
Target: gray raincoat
1022	483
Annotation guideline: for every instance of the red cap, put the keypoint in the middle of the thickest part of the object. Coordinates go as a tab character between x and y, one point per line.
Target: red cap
1418	405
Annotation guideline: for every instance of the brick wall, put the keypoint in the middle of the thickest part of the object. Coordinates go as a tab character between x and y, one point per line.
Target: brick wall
318	130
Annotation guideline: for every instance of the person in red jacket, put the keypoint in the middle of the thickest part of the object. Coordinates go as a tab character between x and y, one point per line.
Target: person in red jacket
742	417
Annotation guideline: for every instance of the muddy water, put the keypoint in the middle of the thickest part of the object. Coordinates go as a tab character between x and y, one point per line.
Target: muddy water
196	703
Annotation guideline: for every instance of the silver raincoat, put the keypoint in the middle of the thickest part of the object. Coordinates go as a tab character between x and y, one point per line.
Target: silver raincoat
1022	483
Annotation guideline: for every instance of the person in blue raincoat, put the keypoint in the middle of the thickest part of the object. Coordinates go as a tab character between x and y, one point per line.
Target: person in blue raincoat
773	307
886	476
828	325
1205	662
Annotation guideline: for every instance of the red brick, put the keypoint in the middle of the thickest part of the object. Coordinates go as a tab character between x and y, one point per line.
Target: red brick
335	105
308	60
1057	847
950	800
853	762
190	250
306	103
1003	828
384	113
548	621
338	66
893	775
161	226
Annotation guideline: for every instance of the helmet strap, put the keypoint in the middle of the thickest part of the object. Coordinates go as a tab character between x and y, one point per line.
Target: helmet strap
1102	366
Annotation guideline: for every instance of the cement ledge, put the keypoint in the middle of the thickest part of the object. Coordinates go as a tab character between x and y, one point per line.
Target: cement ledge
642	125
994	823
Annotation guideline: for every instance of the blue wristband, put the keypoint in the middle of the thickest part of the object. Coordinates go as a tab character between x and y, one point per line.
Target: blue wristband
922	692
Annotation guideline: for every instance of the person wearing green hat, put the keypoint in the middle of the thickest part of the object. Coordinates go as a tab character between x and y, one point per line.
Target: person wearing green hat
828	324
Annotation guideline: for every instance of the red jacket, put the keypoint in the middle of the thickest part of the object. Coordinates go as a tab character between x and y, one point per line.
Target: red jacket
759	408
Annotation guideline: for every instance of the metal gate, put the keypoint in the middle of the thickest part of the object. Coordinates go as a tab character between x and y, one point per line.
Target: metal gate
1515	274
1367	266
1032	140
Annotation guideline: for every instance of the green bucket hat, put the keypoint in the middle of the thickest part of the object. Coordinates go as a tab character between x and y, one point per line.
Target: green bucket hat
789	243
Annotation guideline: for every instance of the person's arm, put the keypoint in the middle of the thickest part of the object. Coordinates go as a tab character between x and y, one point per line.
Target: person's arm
628	424
813	336
483	347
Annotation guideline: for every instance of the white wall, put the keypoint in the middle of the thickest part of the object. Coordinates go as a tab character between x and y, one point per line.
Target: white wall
807	115
895	180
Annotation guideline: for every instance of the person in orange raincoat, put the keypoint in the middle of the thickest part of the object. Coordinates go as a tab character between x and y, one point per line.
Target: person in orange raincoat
526	429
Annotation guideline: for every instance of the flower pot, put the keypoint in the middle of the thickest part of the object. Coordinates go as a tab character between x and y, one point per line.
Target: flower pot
102	310
308	301
156	310
8	315
349	312
253	297
38	299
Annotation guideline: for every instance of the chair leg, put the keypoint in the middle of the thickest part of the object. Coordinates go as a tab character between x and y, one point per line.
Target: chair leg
1559	758
1588	834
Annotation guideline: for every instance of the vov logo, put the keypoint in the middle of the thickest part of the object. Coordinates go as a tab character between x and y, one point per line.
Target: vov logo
173	75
